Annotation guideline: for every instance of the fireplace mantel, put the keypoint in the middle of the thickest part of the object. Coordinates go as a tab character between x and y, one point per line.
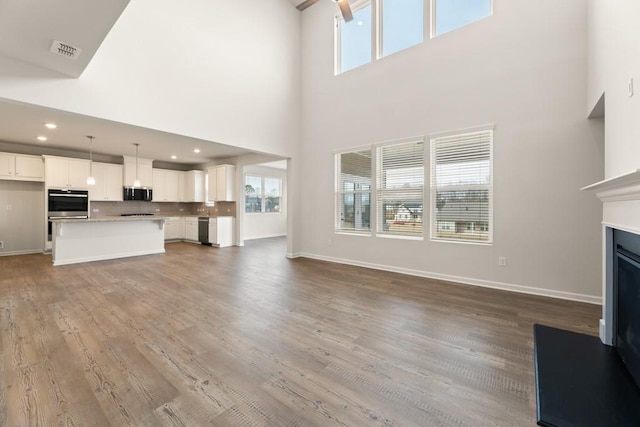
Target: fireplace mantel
620	196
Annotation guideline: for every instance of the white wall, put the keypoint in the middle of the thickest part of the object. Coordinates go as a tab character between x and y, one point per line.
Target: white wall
261	225
219	70
523	69
21	216
614	58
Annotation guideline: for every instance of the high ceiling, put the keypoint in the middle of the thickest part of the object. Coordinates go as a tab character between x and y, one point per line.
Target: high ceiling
28	29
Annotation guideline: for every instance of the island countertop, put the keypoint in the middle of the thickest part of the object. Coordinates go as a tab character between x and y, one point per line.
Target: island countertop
111	219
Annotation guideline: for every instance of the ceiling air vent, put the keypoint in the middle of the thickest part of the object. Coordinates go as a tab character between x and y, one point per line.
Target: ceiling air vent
65	49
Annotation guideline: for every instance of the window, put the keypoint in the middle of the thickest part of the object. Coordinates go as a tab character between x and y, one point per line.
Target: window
402	24
353	192
461	186
262	194
400	188
448	15
354	40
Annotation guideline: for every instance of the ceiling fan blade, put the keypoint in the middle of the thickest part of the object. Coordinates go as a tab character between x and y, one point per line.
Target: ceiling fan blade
345	9
305	4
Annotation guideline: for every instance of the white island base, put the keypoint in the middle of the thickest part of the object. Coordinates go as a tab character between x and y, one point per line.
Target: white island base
84	240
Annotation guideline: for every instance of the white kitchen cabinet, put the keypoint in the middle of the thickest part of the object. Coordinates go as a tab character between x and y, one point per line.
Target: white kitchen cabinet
221	231
221	180
191	229
64	172
194	186
144	173
108	182
166	185
19	167
174	228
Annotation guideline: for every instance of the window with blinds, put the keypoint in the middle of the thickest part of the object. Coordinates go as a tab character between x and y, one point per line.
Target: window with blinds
461	186
400	188
353	191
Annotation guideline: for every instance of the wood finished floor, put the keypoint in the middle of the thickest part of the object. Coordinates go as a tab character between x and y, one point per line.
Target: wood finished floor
245	337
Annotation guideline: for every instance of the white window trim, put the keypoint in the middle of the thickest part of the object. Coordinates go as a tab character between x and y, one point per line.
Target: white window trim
432	196
337	193
432	20
262	177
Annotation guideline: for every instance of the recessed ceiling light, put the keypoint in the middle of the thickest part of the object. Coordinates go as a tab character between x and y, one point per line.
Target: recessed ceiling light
174	157
42	138
51	125
196	150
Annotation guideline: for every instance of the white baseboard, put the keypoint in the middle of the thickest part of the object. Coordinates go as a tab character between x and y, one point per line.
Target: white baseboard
458	279
265	236
27	252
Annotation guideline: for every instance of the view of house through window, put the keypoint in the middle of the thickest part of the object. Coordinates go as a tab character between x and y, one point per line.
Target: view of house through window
262	194
400	188
353	195
461	186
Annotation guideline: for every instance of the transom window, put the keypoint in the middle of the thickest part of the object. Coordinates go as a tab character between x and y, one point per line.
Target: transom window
382	27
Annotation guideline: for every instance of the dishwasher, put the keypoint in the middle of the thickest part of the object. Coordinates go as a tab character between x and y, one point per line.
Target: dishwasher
203	230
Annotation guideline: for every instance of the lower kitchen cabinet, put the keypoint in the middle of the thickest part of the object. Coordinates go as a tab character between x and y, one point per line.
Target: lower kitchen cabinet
174	228
221	231
191	229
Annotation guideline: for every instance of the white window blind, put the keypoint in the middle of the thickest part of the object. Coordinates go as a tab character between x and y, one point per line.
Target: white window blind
400	188
353	191
461	186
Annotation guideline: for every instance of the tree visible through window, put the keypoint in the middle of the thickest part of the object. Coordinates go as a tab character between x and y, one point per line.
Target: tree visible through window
262	194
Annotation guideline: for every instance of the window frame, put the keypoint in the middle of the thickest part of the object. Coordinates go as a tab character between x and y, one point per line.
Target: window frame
337	37
381	192
263	194
433	13
433	188
339	193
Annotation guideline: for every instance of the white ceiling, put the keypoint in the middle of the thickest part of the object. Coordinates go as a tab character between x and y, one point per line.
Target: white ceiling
27	31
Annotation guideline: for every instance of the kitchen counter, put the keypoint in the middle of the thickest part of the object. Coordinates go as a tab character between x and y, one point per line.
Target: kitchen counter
94	239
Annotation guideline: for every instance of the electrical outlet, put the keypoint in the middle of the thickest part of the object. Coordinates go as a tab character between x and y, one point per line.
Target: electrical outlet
1	244
157	210
96	210
502	261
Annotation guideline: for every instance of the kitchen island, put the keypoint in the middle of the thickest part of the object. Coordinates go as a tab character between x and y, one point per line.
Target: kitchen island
95	239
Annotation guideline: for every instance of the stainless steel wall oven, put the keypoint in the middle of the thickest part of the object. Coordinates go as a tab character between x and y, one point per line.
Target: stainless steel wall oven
66	204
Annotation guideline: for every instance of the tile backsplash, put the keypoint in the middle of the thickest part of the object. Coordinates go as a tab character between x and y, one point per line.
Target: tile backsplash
164	208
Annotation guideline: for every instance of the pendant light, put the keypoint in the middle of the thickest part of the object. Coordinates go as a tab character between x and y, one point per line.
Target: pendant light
136	183
91	180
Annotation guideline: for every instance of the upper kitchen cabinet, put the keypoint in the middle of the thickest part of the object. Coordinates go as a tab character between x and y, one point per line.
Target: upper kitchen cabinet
19	167
221	181
108	183
144	171
63	172
194	186
166	185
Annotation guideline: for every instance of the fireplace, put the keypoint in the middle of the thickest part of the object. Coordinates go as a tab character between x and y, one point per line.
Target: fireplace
580	379
626	304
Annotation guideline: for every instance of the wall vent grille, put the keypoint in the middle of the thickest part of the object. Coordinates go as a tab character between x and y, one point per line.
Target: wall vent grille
65	49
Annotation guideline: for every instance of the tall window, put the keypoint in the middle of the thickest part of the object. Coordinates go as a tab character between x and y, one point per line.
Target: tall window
353	191
400	188
448	15
262	194
354	39
462	186
402	24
